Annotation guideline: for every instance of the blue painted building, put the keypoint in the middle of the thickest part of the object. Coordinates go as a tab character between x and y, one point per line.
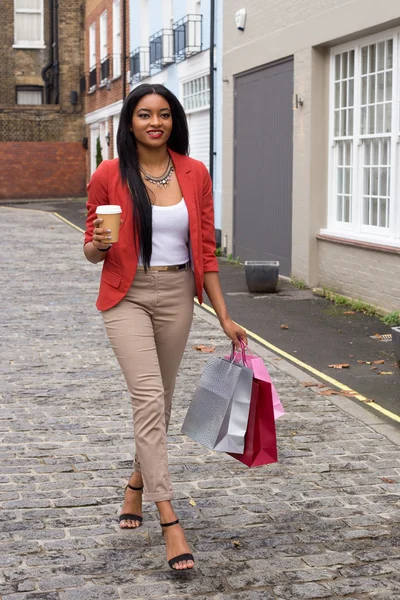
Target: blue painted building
170	44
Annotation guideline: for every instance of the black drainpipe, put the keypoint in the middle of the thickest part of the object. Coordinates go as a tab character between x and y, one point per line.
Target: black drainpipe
50	72
55	56
46	74
212	86
123	49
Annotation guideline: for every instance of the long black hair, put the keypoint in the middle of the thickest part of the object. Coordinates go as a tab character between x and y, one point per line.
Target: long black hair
129	162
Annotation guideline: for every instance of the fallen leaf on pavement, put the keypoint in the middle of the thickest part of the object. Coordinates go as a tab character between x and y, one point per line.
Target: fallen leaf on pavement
202	348
361	362
236	544
367	400
349	312
348	393
339	366
278	358
328	393
294	432
386	373
373	368
284	326
387	480
378	362
377	336
192	502
308	384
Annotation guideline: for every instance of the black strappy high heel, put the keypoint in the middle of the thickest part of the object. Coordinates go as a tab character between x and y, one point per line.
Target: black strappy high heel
181	557
128	516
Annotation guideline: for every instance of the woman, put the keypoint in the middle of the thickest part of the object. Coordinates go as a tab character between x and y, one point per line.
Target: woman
164	257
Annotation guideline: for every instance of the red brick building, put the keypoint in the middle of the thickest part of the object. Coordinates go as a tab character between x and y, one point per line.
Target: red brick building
106	78
42	129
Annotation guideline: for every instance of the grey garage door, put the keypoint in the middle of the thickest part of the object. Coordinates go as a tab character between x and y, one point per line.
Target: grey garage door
263	164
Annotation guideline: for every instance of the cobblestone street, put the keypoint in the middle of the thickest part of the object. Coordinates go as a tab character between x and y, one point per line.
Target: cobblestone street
324	522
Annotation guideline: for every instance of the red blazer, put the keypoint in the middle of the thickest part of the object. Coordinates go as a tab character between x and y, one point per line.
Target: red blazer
119	266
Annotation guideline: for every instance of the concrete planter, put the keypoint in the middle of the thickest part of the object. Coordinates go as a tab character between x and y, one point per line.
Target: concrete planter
261	276
396	342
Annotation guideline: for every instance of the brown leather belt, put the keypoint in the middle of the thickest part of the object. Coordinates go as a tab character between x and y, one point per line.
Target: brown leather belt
184	267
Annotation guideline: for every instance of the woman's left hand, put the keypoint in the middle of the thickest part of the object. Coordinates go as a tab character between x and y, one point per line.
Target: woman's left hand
234	332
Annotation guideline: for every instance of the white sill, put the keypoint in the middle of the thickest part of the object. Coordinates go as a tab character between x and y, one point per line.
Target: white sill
116	77
92	90
377	240
191	111
29	46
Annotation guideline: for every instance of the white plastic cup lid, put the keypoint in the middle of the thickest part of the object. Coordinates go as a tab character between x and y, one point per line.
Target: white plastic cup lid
108	209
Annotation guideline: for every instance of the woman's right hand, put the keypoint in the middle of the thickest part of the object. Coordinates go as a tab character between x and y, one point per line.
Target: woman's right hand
101	237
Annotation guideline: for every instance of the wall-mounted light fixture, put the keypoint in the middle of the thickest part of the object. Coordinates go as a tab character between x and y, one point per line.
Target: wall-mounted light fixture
108	138
74	98
240	19
297	101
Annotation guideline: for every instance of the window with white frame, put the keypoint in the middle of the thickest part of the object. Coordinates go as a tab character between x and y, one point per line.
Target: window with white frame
28	24
103	36
116	24
92	46
196	93
365	127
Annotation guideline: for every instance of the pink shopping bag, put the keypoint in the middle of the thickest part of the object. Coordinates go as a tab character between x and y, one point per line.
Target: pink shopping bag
260	372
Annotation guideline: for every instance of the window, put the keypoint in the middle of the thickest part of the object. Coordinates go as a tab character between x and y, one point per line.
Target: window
104	59
28	24
364	202
92	57
92	46
103	132
116	38
196	93
29	94
103	36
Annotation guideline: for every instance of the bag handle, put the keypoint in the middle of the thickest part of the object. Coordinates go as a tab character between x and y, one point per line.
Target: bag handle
242	351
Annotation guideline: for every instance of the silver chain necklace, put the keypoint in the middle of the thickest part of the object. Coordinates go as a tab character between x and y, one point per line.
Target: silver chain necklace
164	179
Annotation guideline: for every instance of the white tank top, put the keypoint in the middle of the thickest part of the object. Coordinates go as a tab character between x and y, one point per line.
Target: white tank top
170	235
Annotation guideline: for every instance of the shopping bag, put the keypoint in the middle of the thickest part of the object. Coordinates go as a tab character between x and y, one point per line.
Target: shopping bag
218	414
260	441
260	372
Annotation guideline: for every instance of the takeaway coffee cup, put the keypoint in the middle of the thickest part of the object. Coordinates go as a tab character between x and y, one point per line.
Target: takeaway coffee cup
110	213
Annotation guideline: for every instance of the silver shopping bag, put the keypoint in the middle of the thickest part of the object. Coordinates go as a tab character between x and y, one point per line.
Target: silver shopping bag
218	414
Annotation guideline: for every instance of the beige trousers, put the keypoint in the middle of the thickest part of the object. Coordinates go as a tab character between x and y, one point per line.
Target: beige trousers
148	331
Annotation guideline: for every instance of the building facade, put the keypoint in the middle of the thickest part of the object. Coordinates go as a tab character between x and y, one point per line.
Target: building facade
167	42
41	112
106	78
310	134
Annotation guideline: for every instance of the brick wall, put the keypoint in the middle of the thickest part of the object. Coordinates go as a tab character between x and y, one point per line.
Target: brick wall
102	96
41	152
371	275
42	170
19	66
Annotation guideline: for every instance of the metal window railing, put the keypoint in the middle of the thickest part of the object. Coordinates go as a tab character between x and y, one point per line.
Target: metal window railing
92	77
161	49
187	37
139	64
105	69
82	84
